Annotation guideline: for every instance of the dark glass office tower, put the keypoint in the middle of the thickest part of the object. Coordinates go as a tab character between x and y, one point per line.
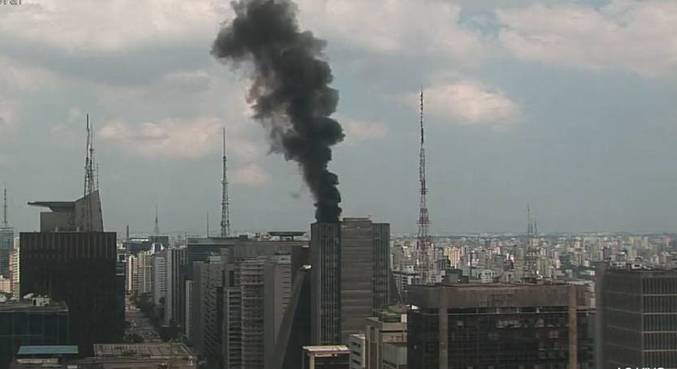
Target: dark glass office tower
350	276
77	267
499	326
637	317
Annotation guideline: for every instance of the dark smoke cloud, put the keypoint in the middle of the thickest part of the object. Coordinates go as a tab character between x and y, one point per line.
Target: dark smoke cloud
290	91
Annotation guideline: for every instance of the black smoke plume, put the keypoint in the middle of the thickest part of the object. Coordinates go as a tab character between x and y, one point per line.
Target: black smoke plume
290	91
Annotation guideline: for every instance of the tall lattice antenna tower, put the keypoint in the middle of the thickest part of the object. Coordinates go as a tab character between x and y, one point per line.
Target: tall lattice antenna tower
90	181
425	264
533	249
225	201
156	227
4	208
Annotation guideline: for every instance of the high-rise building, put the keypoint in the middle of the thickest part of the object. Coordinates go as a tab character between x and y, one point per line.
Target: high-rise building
6	241
159	288
500	326
256	293
206	308
34	321
239	289
80	269
356	344
175	303
139	273
295	330
636	317
74	261
388	327
132	274
326	357
350	276
277	286
15	270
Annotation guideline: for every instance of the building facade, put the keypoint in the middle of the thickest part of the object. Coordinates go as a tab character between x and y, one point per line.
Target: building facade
637	317
351	276
499	326
31	322
389	326
78	268
326	357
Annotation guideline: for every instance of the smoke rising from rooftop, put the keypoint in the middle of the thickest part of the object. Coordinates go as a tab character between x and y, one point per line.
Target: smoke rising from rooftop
290	93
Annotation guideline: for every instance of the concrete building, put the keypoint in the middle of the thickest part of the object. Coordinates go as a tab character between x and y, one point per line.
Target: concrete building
15	270
350	276
5	285
140	356
159	279
205	311
326	357
35	321
45	356
145	272
295	330
500	326
277	288
175	302
256	294
6	247
356	344
389	326
636	317
395	355
132	274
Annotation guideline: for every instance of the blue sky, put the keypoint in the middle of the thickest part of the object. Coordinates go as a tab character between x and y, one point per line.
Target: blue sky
566	105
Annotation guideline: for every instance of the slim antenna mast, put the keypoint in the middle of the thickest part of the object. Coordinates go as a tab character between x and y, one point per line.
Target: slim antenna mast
156	228
4	208
425	259
225	201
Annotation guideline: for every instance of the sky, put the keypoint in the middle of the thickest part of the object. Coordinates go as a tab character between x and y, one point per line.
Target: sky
568	106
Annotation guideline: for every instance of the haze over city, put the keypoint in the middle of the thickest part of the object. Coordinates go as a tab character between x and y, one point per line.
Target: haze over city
567	106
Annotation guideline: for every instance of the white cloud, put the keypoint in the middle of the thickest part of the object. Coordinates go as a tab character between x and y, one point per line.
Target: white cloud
361	130
413	27
110	26
8	113
640	36
15	82
169	138
191	138
468	102
251	174
187	82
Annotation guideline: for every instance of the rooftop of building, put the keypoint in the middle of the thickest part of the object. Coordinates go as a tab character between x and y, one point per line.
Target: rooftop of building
29	306
327	349
45	350
641	268
481	295
143	350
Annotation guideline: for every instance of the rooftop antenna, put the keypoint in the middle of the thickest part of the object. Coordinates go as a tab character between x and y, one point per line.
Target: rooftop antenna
207	224
156	227
4	207
225	201
90	184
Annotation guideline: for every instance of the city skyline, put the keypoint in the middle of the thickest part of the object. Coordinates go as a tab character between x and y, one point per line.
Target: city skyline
584	137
